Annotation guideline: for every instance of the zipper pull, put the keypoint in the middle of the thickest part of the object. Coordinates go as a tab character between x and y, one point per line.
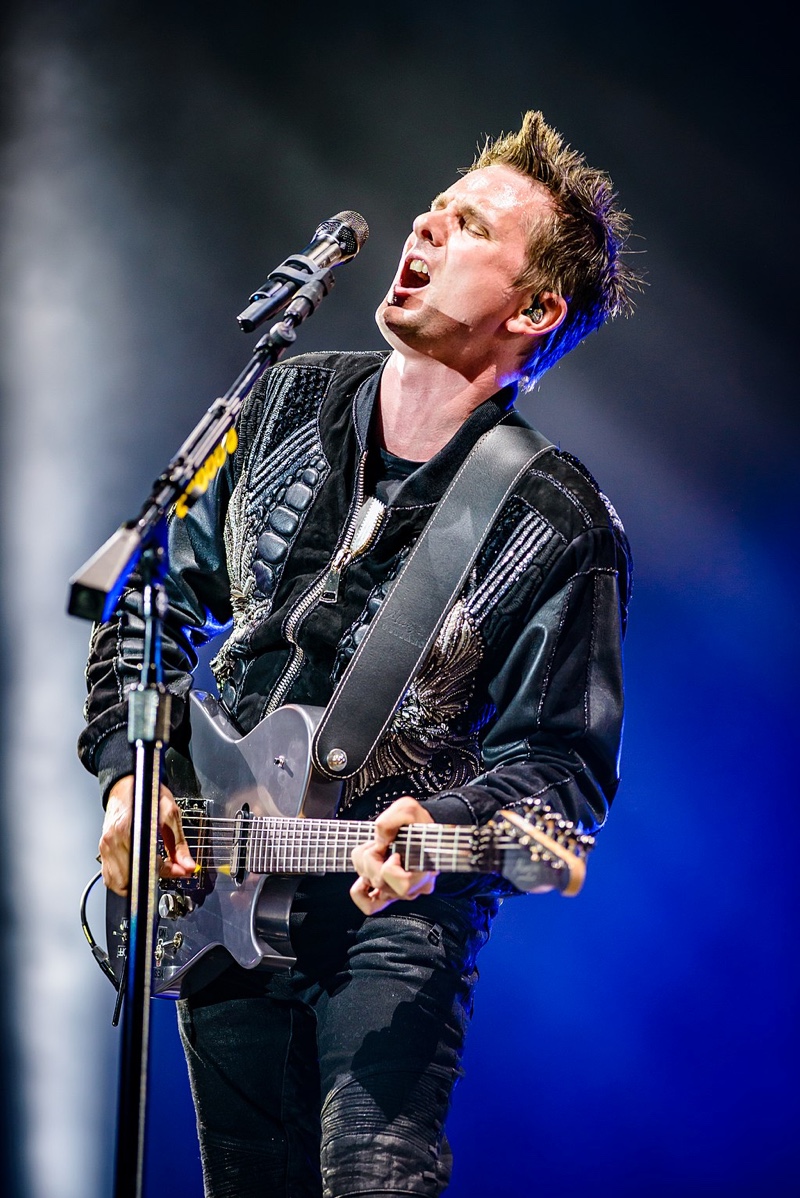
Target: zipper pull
330	593
368	521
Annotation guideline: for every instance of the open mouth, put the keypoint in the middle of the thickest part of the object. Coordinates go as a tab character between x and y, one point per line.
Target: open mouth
414	274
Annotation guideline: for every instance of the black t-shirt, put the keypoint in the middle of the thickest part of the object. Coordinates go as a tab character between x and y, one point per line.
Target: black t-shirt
390	472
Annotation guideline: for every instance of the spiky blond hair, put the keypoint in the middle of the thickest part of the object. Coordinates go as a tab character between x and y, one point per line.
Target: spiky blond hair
577	253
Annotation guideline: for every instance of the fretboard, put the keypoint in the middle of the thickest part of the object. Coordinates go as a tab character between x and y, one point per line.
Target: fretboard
323	846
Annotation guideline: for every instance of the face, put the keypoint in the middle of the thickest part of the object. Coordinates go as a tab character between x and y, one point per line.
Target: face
453	294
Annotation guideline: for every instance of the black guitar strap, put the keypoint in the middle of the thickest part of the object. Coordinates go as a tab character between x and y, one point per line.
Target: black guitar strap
408	620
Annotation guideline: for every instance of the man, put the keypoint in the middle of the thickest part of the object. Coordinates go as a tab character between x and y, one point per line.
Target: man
335	1077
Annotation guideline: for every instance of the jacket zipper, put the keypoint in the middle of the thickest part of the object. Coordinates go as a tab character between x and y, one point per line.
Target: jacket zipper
326	587
369	518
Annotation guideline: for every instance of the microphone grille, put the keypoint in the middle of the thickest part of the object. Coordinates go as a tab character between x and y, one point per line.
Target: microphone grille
349	228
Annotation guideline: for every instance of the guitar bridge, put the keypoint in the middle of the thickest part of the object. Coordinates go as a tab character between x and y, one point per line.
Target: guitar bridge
195	828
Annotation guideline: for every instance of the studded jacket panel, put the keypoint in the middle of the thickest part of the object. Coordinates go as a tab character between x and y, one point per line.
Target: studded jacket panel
521	696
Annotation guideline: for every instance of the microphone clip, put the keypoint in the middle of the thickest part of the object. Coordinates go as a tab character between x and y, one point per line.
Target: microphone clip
299	271
306	300
310	279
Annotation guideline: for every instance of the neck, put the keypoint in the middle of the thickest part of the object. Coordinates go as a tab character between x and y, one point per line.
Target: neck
423	404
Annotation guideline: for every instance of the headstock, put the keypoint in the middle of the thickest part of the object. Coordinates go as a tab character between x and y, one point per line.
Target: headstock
539	850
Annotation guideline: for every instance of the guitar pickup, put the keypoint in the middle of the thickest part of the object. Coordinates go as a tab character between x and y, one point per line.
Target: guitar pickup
241	839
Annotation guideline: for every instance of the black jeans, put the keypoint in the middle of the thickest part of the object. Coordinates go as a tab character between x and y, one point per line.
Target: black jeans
335	1079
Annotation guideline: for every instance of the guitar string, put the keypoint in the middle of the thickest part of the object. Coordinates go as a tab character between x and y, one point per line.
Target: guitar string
273	839
277	842
328	830
303	846
305	828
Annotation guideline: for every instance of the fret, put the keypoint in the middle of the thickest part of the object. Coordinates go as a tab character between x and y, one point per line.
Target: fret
455	852
344	844
263	845
348	839
251	855
323	847
438	853
406	852
331	846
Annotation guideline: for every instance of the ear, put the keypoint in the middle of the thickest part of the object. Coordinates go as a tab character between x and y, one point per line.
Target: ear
553	309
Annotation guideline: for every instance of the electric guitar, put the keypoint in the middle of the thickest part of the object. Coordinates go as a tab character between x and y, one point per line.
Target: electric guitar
260	818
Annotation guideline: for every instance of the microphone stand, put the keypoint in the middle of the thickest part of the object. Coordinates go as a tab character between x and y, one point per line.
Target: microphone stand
94	593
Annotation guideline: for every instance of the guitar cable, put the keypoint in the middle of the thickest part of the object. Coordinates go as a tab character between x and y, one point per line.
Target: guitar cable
99	954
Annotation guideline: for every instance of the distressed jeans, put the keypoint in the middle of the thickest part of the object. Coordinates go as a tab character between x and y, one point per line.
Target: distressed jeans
335	1079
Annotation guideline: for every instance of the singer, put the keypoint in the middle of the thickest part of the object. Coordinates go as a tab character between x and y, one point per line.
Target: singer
334	1077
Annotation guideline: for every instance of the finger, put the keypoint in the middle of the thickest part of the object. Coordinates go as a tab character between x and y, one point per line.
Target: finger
357	857
180	861
359	893
370	899
368	861
175	869
394	878
406	883
425	885
399	814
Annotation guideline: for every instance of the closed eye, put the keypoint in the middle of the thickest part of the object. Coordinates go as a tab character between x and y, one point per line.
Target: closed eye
469	218
473	226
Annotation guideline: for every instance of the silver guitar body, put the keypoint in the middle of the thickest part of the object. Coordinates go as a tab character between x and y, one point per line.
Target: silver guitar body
226	911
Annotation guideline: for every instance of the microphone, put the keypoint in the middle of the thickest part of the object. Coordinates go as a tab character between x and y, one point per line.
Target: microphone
336	240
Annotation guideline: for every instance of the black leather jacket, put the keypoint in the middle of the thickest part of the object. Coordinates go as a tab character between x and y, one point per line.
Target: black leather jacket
522	694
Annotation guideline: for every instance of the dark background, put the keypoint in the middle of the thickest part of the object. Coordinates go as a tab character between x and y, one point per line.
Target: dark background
158	160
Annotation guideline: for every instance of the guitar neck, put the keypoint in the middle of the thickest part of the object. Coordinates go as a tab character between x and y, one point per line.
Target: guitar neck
535	851
317	846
